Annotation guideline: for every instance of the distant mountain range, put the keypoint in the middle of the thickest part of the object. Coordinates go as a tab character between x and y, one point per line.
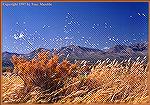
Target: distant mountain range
73	52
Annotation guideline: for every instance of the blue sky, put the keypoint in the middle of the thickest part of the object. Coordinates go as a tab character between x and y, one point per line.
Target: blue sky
88	24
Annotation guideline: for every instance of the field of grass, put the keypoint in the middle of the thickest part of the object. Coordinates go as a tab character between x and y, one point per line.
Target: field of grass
44	80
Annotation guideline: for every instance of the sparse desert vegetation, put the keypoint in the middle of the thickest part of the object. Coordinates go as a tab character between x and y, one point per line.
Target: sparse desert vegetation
44	79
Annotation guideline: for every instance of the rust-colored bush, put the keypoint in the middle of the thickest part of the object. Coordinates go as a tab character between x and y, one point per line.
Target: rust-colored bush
42	70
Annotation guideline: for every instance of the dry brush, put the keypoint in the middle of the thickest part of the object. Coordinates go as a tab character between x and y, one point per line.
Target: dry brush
44	80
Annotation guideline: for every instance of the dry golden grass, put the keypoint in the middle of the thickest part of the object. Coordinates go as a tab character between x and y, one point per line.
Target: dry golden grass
12	89
45	80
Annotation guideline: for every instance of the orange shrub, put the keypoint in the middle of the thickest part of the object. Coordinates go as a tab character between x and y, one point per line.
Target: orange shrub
42	70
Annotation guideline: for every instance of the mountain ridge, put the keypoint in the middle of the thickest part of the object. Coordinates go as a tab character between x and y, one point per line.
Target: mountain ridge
83	53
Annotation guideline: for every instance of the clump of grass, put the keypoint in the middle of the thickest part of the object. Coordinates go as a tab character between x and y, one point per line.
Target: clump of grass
44	80
123	82
113	82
